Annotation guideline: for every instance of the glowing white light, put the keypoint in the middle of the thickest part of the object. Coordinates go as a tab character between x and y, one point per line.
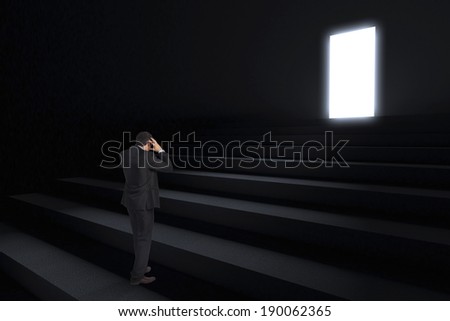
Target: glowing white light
352	74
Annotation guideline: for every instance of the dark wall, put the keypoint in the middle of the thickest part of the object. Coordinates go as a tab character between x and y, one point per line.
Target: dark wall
267	57
76	73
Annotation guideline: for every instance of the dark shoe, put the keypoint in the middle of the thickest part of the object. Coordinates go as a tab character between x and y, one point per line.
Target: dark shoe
143	280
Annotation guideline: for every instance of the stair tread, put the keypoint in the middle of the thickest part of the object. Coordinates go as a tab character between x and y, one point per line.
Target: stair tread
322	277
78	278
350	163
411	191
424	147
359	223
414	191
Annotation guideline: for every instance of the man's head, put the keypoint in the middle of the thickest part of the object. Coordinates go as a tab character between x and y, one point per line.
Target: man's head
143	139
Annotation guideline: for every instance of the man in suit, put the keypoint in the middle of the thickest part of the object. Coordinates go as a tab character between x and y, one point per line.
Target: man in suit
141	163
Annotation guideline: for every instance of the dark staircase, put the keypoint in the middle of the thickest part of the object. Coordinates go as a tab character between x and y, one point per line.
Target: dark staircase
378	229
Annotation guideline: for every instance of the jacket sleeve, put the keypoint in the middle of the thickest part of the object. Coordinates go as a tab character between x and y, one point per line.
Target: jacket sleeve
159	162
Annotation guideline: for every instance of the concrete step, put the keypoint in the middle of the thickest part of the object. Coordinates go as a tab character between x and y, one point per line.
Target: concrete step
53	274
11	290
401	139
318	150
425	175
389	125
277	220
407	243
421	205
255	271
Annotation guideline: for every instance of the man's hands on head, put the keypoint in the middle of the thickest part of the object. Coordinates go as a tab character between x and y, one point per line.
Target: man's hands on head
154	145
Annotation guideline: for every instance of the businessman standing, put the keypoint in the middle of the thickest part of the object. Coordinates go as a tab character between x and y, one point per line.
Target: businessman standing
141	163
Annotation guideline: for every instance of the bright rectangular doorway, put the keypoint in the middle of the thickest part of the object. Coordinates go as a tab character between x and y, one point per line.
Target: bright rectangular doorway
352	72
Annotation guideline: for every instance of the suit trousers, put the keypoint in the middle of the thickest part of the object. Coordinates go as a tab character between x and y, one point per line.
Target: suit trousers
142	222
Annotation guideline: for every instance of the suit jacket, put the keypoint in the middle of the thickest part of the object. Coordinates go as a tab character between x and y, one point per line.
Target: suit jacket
141	190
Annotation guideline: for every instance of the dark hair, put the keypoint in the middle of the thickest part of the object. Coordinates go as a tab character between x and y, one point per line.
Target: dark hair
143	138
